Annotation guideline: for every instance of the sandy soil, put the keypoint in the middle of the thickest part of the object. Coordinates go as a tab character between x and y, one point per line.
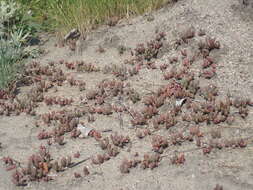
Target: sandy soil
227	21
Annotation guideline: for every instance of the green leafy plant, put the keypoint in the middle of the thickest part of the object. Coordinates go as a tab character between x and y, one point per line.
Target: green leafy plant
10	54
15	31
7	13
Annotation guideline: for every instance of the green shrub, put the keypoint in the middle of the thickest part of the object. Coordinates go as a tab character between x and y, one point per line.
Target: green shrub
15	31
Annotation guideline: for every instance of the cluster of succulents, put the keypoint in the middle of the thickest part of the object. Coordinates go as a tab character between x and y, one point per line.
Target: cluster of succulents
38	167
152	48
149	111
178	159
174	73
138	119
66	126
105	109
3	94
219	144
154	100
181	100
159	143
87	67
57	100
63	116
126	165
10	163
119	140
168	120
80	66
110	149
17	106
100	159
149	161
73	82
121	72
43	78
178	138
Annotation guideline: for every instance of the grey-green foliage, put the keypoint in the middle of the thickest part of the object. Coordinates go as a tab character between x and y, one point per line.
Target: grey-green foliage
10	54
8	11
11	42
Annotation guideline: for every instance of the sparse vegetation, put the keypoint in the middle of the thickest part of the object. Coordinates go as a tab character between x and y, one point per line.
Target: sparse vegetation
20	20
156	103
182	86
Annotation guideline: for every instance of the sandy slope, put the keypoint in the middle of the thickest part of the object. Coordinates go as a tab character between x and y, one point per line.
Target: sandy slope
231	168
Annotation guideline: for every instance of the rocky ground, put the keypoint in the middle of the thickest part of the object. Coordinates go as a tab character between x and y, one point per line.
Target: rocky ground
173	113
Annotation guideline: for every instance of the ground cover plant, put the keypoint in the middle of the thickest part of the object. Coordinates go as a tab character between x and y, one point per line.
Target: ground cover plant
20	20
162	101
180	112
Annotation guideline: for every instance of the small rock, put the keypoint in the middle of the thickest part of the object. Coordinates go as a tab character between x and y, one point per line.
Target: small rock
85	131
73	34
